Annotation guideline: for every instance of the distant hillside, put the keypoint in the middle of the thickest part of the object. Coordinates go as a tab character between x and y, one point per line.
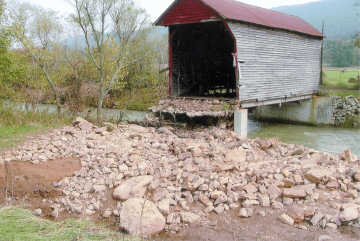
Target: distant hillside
340	16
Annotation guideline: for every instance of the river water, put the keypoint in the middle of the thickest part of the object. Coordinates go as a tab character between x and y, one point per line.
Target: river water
327	139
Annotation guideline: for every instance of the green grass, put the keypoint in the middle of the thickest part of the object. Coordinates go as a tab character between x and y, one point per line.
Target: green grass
16	125
337	79
10	135
338	92
21	225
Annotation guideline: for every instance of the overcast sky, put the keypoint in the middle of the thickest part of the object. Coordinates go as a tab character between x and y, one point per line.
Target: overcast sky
156	7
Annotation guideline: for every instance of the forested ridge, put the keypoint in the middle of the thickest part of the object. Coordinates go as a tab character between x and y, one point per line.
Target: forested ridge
342	28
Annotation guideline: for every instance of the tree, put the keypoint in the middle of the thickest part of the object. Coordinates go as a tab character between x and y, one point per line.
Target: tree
108	26
4	42
38	31
12	72
357	9
357	42
5	61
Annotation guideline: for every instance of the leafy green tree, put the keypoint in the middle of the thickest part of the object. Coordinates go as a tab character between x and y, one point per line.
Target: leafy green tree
341	53
357	43
357	9
38	31
109	27
11	73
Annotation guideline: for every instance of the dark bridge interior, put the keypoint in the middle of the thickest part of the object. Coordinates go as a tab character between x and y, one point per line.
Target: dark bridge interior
203	64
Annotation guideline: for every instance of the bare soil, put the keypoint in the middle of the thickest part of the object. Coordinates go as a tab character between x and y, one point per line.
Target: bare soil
28	184
257	228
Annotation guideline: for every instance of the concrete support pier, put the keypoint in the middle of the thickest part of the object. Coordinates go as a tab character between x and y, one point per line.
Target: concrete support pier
241	122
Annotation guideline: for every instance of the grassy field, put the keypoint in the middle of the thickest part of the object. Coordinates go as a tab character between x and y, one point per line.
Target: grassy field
336	82
339	92
338	79
16	125
21	225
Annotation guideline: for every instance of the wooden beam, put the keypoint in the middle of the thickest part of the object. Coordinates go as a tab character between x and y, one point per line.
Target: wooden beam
275	101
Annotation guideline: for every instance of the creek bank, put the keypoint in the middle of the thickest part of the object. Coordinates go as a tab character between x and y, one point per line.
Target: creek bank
318	111
187	176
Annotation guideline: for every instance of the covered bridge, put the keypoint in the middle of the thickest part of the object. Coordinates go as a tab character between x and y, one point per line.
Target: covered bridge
228	49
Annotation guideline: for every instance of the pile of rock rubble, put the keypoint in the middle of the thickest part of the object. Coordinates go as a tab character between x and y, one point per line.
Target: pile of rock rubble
165	179
345	109
194	107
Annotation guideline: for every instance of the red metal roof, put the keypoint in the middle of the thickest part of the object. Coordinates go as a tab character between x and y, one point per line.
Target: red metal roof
234	10
188	11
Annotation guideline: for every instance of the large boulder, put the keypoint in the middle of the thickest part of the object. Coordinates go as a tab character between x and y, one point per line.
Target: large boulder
134	187
83	124
317	175
349	213
140	217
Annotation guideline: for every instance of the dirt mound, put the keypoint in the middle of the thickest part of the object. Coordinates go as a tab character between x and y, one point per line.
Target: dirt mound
26	181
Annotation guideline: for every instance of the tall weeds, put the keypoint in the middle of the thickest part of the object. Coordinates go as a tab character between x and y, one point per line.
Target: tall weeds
9	117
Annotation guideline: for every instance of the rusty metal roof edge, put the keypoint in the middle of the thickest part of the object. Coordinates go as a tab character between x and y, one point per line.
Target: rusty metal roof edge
277	28
158	21
217	12
224	18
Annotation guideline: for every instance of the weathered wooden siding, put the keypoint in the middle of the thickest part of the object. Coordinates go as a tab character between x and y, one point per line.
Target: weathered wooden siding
277	64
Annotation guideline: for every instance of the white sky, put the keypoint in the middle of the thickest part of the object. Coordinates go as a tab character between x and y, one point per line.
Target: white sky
156	7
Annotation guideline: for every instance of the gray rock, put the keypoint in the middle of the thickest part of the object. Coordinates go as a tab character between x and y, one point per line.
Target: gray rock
284	218
277	205
264	200
134	187
296	213
173	218
141	217
274	192
315	220
219	209
349	213
98	188
298	151
250	203
37	212
164	206
107	213
317	175
55	211
245	212
188	217
331	226
221	199
294	193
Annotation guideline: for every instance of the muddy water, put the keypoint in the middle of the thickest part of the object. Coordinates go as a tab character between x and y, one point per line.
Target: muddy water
328	139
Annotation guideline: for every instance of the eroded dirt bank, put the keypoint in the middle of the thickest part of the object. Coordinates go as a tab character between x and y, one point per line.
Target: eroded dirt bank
193	184
27	184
